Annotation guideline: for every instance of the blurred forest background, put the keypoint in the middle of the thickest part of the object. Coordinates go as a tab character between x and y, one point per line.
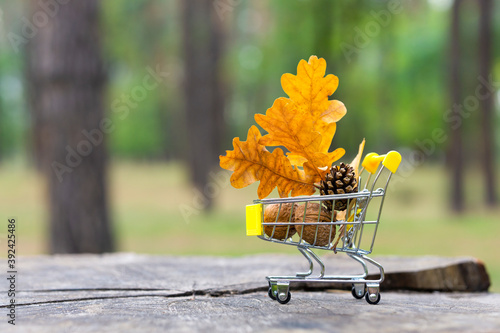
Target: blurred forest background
113	114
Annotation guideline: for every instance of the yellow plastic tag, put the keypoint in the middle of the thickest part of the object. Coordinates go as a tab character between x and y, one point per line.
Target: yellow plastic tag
254	220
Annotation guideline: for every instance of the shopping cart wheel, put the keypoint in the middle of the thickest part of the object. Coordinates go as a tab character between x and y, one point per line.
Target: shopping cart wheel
271	294
372	299
286	300
358	290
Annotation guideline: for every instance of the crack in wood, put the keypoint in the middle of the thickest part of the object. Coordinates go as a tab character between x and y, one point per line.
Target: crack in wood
91	289
207	292
98	298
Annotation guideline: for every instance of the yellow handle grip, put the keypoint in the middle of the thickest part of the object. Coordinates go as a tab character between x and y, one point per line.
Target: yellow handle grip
254	220
391	161
371	162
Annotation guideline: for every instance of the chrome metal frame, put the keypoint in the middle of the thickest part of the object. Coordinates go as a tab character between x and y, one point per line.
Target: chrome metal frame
350	241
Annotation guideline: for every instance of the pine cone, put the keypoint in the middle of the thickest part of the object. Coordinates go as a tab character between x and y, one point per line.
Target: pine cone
340	180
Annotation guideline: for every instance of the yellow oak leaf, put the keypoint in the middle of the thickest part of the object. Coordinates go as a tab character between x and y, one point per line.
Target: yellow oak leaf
305	123
336	110
250	161
332	157
310	88
327	123
289	126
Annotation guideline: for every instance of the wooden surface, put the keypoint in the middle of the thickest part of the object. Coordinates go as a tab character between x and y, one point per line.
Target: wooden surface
130	292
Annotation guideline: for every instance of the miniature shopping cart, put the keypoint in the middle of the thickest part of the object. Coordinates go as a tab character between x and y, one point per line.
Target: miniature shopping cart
352	233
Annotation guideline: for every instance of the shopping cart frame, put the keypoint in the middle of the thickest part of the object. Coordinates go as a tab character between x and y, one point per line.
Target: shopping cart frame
351	232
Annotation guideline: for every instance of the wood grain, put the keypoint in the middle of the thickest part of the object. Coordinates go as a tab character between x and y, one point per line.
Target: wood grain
131	292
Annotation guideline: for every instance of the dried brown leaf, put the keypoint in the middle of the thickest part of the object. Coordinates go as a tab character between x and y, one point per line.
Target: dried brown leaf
251	162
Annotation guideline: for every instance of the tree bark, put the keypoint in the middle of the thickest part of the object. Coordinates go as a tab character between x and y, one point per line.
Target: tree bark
35	139
203	89
486	103
456	150
67	81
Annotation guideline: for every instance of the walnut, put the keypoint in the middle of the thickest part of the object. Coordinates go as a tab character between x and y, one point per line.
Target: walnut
325	234
286	215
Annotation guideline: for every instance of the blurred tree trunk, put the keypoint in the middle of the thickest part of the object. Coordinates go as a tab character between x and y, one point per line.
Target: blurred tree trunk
486	103
203	89
455	153
34	108
67	81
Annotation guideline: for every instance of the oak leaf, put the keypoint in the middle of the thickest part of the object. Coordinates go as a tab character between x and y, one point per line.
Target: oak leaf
293	128
310	88
326	124
305	123
250	161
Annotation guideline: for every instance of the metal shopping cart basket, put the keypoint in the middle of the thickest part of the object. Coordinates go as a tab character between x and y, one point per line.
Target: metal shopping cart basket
355	231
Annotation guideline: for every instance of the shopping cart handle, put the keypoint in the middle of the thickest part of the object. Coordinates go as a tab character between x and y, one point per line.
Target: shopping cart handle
391	161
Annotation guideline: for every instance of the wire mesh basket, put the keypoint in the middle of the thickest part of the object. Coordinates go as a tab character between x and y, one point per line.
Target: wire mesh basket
305	223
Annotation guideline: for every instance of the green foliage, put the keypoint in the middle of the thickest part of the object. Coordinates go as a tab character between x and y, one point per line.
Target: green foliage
139	133
383	84
14	120
395	84
139	37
